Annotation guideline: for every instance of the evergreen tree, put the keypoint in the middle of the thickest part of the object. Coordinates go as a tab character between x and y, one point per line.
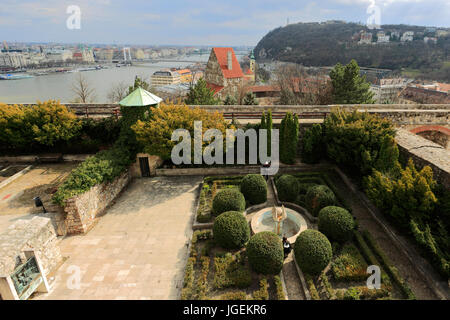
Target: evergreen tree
250	99
288	138
229	100
263	121
348	86
200	94
138	82
269	132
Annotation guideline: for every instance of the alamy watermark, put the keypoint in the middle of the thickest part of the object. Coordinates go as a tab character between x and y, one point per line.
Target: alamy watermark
374	280
74	280
213	153
374	19
73	22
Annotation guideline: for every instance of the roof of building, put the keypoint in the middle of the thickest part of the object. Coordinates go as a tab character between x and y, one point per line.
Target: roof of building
183	71
263	88
140	97
166	73
214	87
222	58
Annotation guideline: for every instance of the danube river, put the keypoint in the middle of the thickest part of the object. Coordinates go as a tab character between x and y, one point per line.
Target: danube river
59	85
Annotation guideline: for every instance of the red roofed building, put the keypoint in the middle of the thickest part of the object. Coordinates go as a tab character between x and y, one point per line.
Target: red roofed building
223	73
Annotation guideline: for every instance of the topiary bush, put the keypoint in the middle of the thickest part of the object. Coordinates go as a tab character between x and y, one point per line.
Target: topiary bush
228	200
336	223
319	197
254	188
287	188
312	251
265	253
231	230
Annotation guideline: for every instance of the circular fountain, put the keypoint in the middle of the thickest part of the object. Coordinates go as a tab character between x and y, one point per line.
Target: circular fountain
284	222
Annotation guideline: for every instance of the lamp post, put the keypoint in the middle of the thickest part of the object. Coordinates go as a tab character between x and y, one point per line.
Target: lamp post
38	203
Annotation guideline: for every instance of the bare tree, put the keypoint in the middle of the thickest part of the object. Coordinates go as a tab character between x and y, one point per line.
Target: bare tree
83	91
117	92
300	87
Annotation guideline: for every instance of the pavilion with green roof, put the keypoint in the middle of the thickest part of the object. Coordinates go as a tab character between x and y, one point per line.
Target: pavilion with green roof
140	98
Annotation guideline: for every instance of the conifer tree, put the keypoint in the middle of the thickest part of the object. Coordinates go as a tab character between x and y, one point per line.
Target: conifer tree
200	94
348	86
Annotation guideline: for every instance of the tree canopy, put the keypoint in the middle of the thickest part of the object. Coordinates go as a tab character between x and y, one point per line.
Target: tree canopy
348	86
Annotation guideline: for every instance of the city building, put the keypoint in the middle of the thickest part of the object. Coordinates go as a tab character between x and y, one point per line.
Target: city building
366	38
382	37
407	36
223	72
165	77
442	33
395	35
105	54
58	55
185	75
388	90
429	39
12	59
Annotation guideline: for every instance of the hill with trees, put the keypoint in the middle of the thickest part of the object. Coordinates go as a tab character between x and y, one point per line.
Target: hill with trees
329	43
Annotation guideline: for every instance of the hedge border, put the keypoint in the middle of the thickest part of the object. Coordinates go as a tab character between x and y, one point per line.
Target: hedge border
390	269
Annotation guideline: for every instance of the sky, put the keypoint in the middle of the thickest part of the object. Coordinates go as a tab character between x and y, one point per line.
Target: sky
195	22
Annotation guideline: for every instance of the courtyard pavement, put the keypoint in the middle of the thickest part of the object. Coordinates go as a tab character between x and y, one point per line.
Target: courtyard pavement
137	250
16	198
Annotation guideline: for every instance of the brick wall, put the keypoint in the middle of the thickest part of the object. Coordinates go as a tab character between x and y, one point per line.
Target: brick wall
82	210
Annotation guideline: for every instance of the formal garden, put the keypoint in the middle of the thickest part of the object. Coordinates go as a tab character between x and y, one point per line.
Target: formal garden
231	261
228	259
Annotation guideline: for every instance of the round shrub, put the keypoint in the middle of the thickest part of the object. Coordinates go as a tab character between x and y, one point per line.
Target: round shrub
254	188
231	230
312	251
228	200
287	188
319	197
265	253
336	223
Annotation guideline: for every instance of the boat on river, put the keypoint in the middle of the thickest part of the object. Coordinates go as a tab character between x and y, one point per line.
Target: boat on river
10	76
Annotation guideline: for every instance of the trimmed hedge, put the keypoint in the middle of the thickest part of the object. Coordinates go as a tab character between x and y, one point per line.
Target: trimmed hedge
318	197
336	223
312	251
231	230
287	188
265	253
228	200
254	188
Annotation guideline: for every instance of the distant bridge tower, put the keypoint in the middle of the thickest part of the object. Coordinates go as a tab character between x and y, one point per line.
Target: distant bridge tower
125	50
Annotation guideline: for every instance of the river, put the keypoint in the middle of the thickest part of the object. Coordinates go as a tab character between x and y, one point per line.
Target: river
58	86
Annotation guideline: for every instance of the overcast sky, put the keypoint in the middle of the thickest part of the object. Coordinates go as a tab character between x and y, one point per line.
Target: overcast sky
196	22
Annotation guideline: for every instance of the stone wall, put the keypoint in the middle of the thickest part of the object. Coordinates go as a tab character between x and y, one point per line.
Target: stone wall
425	152
83	209
153	162
37	234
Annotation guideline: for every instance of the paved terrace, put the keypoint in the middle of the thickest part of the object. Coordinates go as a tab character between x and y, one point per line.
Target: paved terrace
138	250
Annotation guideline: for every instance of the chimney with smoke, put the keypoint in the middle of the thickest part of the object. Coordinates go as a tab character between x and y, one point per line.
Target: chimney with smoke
230	60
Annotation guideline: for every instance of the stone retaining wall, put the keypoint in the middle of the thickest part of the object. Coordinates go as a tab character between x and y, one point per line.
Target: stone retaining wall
425	153
83	209
37	234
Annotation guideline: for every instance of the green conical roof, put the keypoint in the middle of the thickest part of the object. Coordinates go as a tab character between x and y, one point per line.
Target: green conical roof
140	98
